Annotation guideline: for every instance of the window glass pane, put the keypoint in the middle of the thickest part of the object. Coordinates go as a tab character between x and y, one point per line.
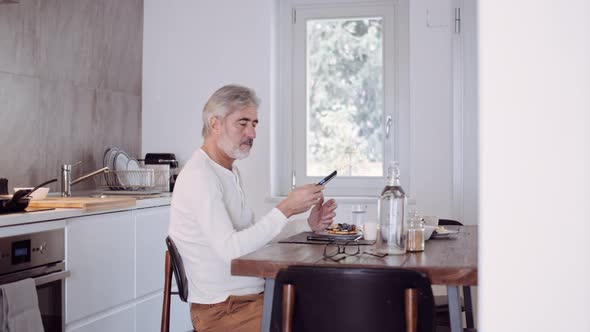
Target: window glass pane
345	97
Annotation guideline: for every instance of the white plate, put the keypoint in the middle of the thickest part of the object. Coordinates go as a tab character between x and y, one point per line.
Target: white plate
445	233
109	157
121	161
341	237
133	165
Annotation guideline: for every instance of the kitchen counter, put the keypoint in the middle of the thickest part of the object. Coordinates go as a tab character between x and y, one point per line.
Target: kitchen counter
14	219
128	240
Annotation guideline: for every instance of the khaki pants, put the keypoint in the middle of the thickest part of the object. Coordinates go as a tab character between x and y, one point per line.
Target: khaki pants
236	314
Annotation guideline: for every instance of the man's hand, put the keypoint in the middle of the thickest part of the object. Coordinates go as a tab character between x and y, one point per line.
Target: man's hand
301	199
322	215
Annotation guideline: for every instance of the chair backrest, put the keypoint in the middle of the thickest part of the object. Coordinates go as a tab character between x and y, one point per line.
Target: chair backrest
351	299
178	268
449	222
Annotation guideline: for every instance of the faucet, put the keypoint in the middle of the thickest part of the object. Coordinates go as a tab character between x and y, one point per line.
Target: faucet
66	178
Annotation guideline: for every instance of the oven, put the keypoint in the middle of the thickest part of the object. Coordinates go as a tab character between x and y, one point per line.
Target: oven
39	256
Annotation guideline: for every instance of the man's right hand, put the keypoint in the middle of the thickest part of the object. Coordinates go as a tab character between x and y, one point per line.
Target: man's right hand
301	199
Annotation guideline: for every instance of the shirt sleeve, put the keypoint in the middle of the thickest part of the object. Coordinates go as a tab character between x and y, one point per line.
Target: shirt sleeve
209	211
293	227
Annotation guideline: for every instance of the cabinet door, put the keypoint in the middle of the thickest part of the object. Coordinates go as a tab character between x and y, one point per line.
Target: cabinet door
121	321
180	315
151	229
148	314
100	256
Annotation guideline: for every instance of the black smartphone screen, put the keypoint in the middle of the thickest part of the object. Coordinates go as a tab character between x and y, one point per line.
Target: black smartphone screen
328	178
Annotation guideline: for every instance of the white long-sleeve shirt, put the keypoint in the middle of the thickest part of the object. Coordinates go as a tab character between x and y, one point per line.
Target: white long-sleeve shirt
211	225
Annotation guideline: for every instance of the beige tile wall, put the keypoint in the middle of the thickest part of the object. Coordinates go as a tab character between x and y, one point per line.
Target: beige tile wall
70	85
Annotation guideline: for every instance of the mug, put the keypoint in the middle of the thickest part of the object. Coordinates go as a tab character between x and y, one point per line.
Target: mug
430	220
370	230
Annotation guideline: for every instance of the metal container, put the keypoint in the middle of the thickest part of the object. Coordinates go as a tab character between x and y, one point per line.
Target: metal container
163	159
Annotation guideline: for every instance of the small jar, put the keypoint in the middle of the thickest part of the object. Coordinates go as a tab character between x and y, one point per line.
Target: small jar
416	234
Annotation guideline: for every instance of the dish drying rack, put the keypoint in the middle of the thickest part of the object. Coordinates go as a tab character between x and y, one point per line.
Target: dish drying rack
141	180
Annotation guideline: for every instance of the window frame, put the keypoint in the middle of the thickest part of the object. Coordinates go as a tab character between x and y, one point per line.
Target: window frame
290	127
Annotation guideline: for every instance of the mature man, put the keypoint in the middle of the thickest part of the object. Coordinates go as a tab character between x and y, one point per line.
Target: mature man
211	224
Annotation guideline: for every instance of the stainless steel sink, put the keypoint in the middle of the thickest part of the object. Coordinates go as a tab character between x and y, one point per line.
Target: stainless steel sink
138	196
101	194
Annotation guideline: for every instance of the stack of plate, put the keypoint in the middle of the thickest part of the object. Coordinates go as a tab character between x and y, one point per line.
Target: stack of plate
118	160
126	173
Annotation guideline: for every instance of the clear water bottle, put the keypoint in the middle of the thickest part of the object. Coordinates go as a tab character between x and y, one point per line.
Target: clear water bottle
392	203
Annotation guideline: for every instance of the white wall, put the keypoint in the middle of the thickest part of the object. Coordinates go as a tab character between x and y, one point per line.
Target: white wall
535	165
470	167
431	113
191	48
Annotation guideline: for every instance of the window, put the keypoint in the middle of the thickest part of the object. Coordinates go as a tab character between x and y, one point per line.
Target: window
343	86
344	97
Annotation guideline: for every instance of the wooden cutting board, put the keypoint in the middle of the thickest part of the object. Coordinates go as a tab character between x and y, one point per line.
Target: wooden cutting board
86	203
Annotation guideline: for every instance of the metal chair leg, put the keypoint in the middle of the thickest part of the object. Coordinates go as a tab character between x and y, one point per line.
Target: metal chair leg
468	307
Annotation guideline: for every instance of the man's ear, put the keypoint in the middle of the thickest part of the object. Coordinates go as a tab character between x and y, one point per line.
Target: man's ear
214	124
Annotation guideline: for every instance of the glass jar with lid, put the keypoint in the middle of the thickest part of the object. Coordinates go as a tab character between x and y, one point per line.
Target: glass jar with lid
416	233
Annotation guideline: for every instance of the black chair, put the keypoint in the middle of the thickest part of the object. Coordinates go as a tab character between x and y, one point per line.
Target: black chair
308	298
172	262
449	222
441	303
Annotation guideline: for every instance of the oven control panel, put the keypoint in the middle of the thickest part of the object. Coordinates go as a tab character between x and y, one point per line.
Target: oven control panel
30	250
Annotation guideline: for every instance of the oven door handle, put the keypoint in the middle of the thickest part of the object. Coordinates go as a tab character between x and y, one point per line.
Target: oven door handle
42	280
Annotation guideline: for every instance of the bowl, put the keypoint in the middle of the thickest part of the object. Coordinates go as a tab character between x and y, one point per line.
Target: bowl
431	220
39	194
428	230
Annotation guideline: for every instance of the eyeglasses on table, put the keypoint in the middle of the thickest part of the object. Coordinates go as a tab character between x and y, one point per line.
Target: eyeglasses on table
351	248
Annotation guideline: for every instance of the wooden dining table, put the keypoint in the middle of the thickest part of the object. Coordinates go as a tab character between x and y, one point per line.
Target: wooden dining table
446	261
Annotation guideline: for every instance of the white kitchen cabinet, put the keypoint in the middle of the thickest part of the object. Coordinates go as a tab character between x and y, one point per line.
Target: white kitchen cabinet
100	256
116	260
121	321
151	229
148	314
180	316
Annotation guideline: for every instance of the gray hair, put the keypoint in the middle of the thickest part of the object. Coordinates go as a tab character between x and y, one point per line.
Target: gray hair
225	101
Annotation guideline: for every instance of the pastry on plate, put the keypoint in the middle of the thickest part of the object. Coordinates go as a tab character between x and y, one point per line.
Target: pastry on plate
342	229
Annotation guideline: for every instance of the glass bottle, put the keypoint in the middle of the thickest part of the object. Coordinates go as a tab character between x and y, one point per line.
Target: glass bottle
416	233
410	206
391	238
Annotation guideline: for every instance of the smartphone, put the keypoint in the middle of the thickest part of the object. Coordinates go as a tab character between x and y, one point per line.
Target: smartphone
328	178
318	238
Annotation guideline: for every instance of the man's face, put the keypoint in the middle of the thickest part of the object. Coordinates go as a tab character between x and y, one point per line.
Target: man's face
238	131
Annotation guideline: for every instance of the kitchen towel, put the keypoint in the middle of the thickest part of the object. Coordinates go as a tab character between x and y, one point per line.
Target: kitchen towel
20	307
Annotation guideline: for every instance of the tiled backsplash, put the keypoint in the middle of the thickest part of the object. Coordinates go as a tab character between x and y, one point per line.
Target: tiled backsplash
70	85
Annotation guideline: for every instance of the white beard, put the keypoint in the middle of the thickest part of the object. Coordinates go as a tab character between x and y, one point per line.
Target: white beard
230	149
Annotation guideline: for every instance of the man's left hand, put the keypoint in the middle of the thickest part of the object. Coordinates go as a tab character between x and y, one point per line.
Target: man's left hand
322	215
